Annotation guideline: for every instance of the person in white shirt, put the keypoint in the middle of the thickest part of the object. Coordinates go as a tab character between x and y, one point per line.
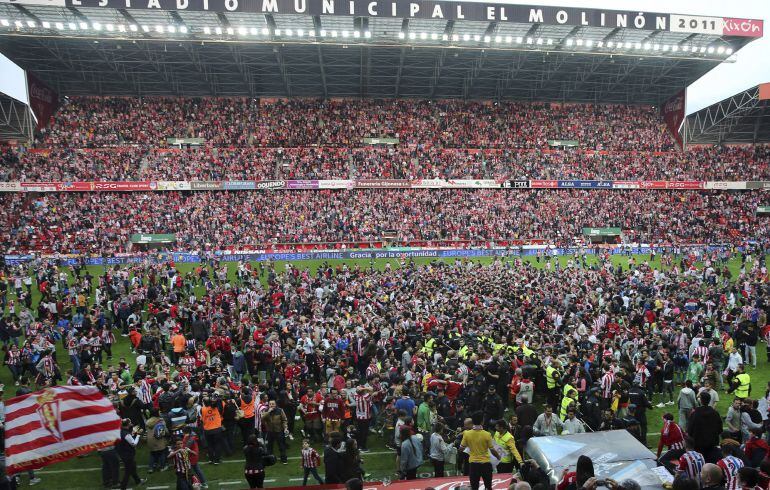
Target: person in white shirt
572	425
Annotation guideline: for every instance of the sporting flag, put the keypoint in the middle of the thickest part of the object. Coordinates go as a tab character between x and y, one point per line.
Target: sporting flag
57	424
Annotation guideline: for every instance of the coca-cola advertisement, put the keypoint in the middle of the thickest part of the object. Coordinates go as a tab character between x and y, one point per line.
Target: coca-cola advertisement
42	99
673	114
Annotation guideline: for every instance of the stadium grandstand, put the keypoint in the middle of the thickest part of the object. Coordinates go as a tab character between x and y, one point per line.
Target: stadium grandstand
360	243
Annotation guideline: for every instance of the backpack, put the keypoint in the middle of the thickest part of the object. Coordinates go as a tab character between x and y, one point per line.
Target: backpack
160	431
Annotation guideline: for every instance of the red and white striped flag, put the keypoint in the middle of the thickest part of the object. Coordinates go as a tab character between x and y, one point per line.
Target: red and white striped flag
57	424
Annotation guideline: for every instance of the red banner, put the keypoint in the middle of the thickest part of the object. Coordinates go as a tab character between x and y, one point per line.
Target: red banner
684	184
543	184
742	27
123	186
42	99
673	114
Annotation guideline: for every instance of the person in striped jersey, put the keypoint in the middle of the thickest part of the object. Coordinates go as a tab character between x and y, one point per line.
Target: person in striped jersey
691	462
671	436
730	464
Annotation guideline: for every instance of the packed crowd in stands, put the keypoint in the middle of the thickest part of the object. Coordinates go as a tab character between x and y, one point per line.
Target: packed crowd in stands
103	222
125	139
433	358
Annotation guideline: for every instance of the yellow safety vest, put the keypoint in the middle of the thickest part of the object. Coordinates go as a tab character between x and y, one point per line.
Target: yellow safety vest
549	377
565	403
744	383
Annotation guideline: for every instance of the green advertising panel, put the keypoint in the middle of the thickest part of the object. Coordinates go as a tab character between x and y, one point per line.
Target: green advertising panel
601	231
153	238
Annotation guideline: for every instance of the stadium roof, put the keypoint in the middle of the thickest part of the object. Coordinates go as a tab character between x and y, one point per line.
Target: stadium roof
742	118
265	49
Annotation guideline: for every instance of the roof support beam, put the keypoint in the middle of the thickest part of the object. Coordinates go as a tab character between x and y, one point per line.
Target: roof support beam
400	68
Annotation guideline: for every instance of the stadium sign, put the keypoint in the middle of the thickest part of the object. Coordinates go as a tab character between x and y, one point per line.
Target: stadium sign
601	231
443	10
153	238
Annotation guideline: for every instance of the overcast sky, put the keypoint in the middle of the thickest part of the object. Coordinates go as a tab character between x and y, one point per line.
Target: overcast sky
752	65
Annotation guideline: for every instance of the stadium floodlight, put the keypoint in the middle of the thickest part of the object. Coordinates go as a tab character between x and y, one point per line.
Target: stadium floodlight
277	32
711	50
703	49
455	37
589	43
345	34
322	32
5	22
579	42
96	26
242	31
412	35
666	47
206	30
610	44
508	39
171	29
477	37
434	36
720	50
133	27
445	37
59	26
72	26
18	24
498	39
218	31
230	31
729	51
570	42
311	33
265	31
530	40
83	26
146	28
300	32
466	37
599	44
31	23
159	29
519	39
685	48
356	34
368	34
46	24
423	35
334	33
109	27
656	47
647	46
401	35
539	41
121	28
183	29
288	32
638	46
487	39
674	48
629	45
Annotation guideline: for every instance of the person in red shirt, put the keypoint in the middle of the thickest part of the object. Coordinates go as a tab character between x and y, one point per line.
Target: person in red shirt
190	441
310	404
671	436
332	411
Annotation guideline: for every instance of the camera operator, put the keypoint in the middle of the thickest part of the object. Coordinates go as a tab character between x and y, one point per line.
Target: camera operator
276	425
211	415
126	448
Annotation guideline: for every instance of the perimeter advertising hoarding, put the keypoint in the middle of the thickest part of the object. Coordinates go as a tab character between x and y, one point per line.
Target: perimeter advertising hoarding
302	184
723	185
206	185
173	185
10	187
443	10
585	184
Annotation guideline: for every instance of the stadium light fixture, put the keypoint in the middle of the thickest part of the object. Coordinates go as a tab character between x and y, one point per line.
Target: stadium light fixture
31	23
109	27
72	26
498	39
146	28
401	35
412	35
610	44
423	35
183	29
18	24
589	43
711	50
570	42
96	26
539	41
288	32
345	34
476	37
171	29
368	34
356	34
46	24
647	46
133	27
311	33
530	40
445	37
323	33
300	32
466	37
206	30
218	31
666	47
230	31
674	48
685	48
508	39
277	32
434	36
242	31
334	33
519	39
579	42
721	50
656	47
729	51
638	46
487	39
455	37
629	45
5	22
121	28
60	26
600	44
159	29
265	31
